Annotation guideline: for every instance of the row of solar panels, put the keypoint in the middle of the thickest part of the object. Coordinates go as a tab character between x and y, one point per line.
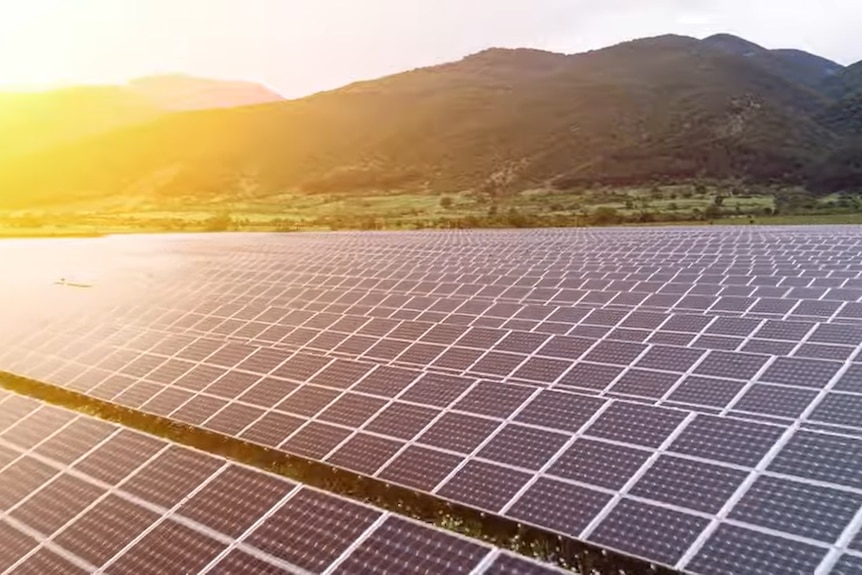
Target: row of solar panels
80	495
746	384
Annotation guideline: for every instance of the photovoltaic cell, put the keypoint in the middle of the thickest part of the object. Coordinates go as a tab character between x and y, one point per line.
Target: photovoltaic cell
272	429
311	530
383	552
670	480
172	476
574	508
113	461
224	505
850	380
839	409
802	509
593	376
238	561
458	432
708	391
45	561
775	400
484	485
820	457
365	453
644	383
848	565
420	467
731	365
168	546
56	504
726	440
560	410
386	381
734	549
105	529
506	564
615	352
670	358
636	424
599	463
633	527
436	390
15	545
800	372
493	400
522	446
315	440
77	438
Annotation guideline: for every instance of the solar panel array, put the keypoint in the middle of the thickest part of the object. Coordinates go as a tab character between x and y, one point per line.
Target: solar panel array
689	396
80	495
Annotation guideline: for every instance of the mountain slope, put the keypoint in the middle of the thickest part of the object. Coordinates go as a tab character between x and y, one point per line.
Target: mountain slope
670	107
847	83
794	66
178	92
33	122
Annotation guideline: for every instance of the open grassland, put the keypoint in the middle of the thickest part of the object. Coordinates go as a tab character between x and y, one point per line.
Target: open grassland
655	205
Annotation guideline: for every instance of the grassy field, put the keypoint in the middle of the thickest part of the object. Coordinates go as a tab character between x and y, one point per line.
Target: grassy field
673	204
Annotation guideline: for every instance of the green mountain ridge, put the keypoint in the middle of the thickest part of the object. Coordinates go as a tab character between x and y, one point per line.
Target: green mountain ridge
656	109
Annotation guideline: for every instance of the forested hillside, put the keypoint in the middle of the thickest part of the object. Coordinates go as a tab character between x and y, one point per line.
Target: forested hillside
661	109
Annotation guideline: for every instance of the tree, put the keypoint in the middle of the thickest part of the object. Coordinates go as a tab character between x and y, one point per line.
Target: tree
219	223
712	212
605	216
643	206
516	219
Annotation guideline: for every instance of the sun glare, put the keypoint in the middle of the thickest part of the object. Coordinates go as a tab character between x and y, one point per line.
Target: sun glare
48	42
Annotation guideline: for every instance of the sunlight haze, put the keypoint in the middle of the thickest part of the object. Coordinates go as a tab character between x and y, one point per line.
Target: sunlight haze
301	47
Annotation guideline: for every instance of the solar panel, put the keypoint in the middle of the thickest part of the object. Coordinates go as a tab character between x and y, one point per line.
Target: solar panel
576	380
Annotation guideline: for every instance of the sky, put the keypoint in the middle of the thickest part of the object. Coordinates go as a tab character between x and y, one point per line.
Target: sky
298	47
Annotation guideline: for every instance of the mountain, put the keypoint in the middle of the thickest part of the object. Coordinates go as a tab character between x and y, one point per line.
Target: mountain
795	66
30	122
178	92
842	169
665	108
852	77
847	83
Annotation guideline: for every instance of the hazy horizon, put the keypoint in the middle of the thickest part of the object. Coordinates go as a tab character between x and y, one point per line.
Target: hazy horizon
301	48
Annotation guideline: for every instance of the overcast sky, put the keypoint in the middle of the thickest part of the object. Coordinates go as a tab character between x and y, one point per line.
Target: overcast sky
302	46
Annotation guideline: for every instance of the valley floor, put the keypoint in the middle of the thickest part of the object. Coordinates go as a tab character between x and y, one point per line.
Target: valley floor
656	205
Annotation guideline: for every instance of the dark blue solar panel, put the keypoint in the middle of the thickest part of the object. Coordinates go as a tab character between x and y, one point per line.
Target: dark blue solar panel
632	527
734	549
811	455
692	484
